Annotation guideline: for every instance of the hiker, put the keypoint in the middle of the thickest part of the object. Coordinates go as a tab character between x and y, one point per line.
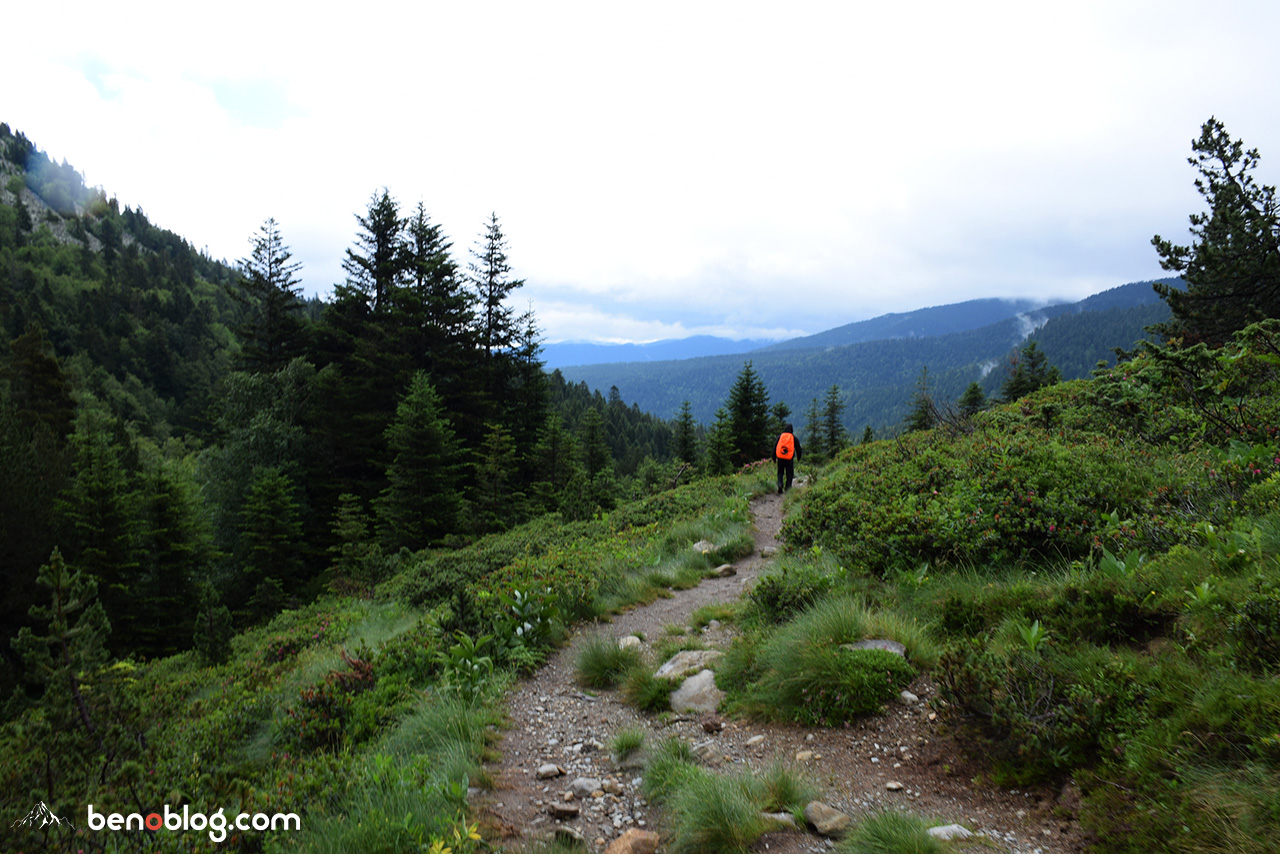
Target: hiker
786	452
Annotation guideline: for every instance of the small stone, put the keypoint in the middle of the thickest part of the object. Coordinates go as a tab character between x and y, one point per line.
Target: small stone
546	772
906	698
708	752
630	642
804	756
564	812
876	643
582	787
687	662
704	547
634	842
893	786
950	831
755	740
724	570
827	820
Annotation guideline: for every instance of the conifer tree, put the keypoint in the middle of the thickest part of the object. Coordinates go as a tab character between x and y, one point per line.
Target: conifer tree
421	502
496	498
271	335
973	400
686	435
490	273
923	413
813	444
748	424
377	265
1232	271
1030	371
271	530
99	513
868	435
834	436
357	558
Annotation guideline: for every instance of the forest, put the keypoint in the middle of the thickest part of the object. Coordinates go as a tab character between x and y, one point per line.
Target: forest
282	555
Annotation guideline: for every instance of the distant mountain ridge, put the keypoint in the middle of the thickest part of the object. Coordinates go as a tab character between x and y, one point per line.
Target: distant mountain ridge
593	353
877	377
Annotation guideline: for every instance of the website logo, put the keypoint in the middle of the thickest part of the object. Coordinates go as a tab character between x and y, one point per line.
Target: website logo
40	817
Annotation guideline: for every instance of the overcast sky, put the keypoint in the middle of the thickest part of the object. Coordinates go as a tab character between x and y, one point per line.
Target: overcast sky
666	169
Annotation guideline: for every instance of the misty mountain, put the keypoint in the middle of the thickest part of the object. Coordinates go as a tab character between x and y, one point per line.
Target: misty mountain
877	378
593	353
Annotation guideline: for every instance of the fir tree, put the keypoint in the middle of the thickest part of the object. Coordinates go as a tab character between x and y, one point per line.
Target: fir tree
1232	271
686	435
972	401
923	414
377	265
1029	371
421	502
834	436
748	424
271	335
271	530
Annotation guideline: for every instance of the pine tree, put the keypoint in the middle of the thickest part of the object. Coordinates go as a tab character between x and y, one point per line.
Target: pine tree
1232	271
748	410
868	435
497	501
923	414
813	444
972	401
73	645
213	628
271	335
1029	371
271	530
357	558
99	513
490	274
718	458
378	264
686	435
422	499
834	436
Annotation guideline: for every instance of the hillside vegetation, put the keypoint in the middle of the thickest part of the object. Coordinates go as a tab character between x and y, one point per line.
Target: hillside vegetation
307	594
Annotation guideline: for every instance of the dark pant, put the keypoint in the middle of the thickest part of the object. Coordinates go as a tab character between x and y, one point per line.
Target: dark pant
787	469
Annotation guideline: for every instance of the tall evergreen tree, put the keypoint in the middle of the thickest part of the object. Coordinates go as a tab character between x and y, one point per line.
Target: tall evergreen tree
923	414
1232	271
271	529
271	335
99	512
421	502
834	435
378	264
748	409
813	438
1029	371
686	435
490	273
972	401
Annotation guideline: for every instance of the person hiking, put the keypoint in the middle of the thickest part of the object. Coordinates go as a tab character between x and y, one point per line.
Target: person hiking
786	452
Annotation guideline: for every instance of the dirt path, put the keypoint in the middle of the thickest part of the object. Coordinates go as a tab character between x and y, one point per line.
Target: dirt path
554	722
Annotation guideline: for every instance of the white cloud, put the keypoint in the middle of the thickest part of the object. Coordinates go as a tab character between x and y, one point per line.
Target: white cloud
669	167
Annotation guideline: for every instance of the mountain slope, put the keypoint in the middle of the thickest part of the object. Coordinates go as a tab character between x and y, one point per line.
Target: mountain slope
877	378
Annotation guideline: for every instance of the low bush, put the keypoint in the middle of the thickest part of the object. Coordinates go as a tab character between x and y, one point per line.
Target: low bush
601	663
890	833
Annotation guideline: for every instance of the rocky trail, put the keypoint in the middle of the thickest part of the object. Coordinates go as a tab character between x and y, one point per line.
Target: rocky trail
902	759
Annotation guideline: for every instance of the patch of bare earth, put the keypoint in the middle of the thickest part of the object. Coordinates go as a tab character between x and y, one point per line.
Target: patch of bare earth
902	759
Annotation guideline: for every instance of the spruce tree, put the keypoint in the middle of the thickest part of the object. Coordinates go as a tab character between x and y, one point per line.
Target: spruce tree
748	412
490	274
813	444
422	499
1029	371
834	435
923	413
686	435
972	401
271	335
272	530
378	264
1232	271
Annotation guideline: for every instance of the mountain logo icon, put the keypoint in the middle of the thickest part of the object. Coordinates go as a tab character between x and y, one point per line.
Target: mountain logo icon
41	816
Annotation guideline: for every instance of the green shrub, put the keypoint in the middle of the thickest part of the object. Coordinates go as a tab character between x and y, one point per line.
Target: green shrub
670	765
713	812
645	691
791	588
601	663
626	742
1039	712
1254	630
890	833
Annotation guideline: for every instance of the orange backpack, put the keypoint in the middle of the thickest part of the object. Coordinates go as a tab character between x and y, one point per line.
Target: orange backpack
786	447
